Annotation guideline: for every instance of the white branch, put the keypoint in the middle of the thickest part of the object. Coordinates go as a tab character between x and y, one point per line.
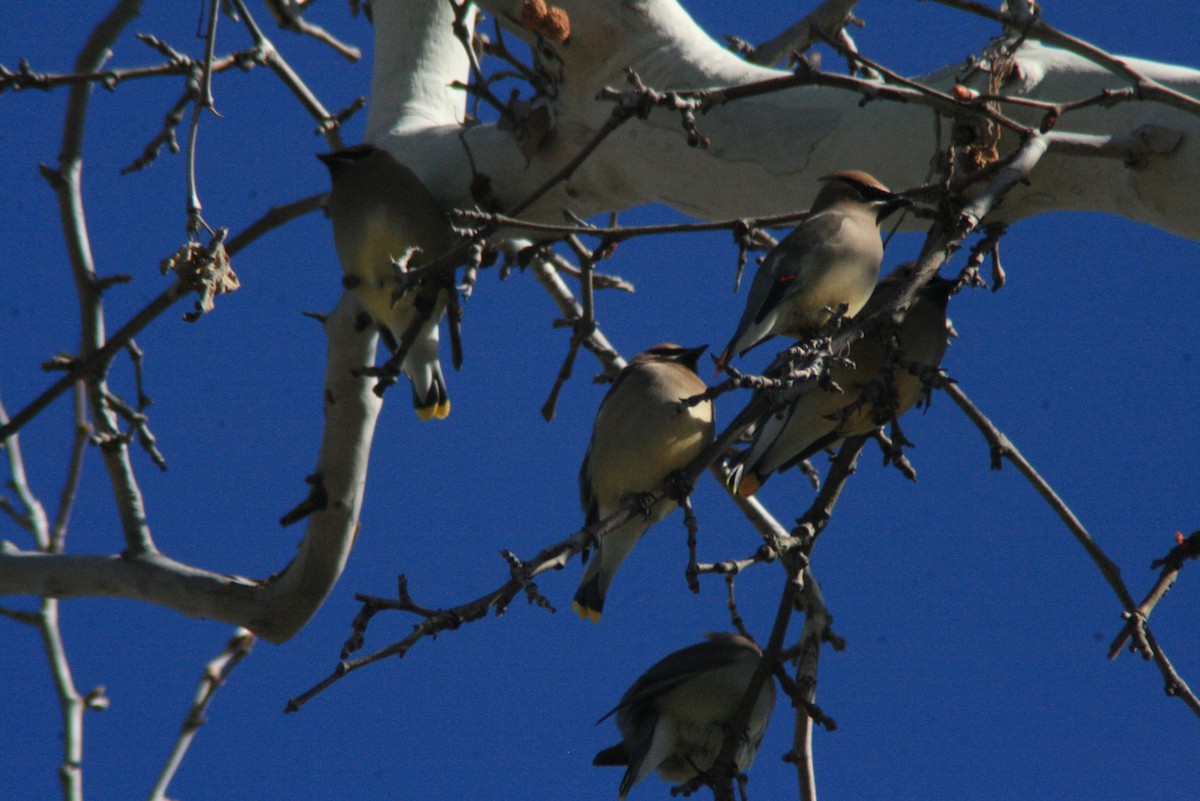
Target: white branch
275	608
766	151
830	17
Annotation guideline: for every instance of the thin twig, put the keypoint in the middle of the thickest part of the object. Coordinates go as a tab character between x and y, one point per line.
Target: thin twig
203	103
101	358
270	55
25	78
724	768
215	674
71	704
1002	447
66	179
289	15
620	233
1188	548
628	105
1034	27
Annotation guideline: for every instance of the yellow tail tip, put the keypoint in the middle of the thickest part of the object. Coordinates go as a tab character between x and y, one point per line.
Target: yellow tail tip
585	613
438	410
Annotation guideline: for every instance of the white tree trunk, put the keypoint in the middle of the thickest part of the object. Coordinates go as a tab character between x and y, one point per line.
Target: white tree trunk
767	151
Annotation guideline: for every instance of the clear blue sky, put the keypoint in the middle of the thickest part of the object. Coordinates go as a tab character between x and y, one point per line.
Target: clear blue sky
976	627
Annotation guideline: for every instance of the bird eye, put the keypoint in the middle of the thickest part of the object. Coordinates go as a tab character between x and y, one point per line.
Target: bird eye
875	194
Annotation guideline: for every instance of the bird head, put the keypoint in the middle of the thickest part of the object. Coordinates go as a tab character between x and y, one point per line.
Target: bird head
859	188
668	352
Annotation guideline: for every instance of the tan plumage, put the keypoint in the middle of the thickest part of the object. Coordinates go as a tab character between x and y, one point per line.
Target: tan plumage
639	439
813	421
380	210
831	258
675	716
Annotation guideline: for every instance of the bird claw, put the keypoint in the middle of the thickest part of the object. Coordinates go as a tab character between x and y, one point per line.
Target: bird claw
678	487
644	500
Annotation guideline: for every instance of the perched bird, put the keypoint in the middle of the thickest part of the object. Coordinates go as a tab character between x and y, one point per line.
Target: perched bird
638	440
676	715
831	258
813	422
380	210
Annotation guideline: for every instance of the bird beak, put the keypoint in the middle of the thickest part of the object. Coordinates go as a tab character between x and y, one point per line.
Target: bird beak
891	205
690	357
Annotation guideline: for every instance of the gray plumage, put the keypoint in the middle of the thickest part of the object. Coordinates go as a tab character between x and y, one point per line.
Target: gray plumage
832	257
813	422
638	440
675	716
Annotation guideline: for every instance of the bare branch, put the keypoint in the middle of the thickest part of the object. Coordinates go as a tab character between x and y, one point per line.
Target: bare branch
1171	564
829	18
269	55
1034	27
1001	447
289	15
275	608
215	674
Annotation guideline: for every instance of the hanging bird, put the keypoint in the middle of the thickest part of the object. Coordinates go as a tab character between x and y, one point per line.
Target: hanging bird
675	717
380	210
638	440
831	258
813	422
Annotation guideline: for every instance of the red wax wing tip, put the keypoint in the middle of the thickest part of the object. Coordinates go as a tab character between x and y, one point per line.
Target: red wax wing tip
721	362
1179	538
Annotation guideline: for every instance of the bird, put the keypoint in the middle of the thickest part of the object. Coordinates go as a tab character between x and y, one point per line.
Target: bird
639	439
380	210
832	257
813	421
675	717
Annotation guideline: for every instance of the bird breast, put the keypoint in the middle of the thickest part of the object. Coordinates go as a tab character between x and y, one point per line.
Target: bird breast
710	706
640	438
843	270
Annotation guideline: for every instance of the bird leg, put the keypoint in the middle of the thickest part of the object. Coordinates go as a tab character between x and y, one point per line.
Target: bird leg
931	377
714	778
893	451
644	501
677	487
692	572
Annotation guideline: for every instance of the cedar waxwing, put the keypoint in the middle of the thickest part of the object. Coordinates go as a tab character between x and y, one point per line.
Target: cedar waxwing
676	715
638	440
379	210
831	258
813	422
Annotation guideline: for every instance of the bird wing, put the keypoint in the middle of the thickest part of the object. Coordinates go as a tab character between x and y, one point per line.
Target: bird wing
781	274
587	498
782	271
676	668
587	494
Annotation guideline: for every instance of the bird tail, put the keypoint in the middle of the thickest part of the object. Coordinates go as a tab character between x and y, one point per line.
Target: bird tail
743	479
613	756
589	598
598	575
424	371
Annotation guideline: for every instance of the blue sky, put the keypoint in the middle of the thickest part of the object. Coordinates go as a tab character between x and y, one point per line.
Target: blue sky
976	627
